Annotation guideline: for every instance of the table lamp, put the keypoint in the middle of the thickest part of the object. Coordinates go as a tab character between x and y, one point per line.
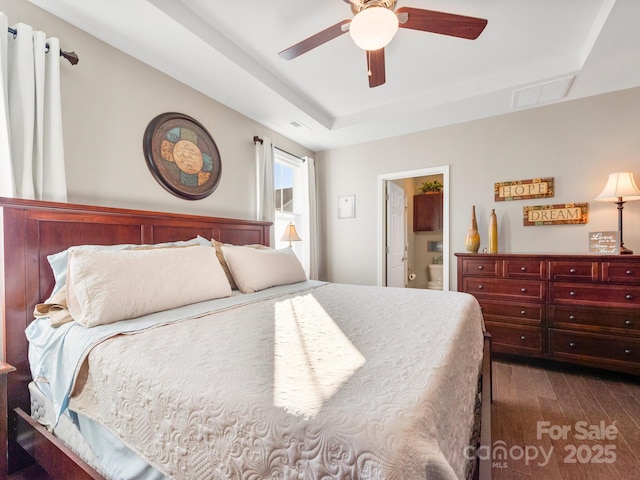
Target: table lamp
620	188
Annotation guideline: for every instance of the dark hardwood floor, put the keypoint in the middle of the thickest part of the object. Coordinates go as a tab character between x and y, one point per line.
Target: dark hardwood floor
590	429
561	423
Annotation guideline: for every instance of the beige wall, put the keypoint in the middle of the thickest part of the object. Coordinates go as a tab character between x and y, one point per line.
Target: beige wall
108	100
578	143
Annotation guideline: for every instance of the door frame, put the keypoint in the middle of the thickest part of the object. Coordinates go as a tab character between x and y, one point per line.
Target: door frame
382	217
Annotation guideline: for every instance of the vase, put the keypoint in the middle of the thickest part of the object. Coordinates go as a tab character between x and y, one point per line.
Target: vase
472	242
493	232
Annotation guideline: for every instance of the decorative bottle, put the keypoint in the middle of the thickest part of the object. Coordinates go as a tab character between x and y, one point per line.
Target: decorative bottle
472	242
493	232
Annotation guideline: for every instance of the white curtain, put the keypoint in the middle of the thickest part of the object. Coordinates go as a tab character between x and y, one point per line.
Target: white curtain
265	208
311	214
31	147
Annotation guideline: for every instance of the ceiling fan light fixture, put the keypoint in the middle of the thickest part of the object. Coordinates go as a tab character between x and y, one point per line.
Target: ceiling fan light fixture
373	28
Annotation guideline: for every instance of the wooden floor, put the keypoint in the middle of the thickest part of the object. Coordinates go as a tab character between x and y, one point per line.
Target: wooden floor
587	406
564	424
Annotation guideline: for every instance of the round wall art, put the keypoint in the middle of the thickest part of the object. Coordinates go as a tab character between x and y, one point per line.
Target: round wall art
182	156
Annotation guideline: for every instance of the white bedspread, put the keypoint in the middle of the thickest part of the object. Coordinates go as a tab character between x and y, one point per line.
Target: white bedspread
337	381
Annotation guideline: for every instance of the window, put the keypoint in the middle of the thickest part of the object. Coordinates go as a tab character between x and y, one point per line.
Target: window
291	193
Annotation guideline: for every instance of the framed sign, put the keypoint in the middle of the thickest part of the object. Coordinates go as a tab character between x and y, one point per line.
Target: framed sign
346	206
523	189
562	214
603	242
182	156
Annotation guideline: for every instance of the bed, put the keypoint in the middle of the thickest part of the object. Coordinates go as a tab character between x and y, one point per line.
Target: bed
354	396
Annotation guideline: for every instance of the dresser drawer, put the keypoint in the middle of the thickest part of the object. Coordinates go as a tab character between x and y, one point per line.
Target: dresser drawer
524	268
608	347
515	339
619	321
507	289
574	270
598	295
482	266
621	272
520	313
574	308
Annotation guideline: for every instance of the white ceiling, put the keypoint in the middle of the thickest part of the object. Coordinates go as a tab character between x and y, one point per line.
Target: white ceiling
229	51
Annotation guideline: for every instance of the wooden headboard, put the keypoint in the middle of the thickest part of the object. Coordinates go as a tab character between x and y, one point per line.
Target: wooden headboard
31	230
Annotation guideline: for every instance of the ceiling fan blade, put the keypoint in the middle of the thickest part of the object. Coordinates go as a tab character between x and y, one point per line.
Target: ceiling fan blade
440	22
315	40
375	67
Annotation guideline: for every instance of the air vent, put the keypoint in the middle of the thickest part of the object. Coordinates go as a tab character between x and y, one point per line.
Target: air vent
542	93
300	125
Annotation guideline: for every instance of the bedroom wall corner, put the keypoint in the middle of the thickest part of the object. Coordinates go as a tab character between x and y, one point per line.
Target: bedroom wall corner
577	142
109	98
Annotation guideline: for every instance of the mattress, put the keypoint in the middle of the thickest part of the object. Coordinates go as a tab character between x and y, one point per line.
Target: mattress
317	381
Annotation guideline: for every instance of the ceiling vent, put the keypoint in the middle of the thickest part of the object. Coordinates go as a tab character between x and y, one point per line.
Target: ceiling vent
542	93
300	125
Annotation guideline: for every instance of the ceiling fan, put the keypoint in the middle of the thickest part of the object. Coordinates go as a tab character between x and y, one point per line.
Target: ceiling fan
375	23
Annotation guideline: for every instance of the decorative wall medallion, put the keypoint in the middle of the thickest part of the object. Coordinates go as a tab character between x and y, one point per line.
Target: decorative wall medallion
182	156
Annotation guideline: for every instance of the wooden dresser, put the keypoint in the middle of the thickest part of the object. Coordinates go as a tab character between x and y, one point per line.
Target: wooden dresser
581	309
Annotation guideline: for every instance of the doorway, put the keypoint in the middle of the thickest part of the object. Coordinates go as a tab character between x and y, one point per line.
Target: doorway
383	180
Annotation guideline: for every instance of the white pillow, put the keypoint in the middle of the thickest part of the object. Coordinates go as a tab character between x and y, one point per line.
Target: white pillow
59	261
255	270
106	286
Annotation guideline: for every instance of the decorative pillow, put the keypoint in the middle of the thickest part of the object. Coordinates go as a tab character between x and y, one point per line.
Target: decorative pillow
106	286
255	269
59	261
218	246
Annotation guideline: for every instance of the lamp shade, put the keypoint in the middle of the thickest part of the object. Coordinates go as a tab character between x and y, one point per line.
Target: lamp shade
290	234
373	28
621	186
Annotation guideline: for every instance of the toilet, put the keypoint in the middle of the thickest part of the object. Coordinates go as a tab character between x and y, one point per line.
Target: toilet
435	277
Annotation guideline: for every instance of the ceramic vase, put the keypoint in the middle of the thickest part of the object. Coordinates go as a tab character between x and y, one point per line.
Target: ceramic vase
472	242
493	232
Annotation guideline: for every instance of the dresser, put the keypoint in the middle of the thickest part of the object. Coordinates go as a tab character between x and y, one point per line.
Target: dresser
580	309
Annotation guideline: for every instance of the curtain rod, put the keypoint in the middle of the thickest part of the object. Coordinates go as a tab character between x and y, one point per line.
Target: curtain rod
71	56
257	139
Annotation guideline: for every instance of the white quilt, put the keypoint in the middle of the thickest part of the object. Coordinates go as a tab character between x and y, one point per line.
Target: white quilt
335	382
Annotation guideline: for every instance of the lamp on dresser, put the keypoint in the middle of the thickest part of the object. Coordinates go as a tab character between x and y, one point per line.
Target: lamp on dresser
620	188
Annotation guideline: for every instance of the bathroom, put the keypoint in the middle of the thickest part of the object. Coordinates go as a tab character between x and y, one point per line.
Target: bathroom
424	231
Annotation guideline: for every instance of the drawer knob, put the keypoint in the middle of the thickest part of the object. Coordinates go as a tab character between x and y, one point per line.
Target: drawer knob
480	267
523	290
523	312
523	337
628	296
480	287
573	294
572	317
627	351
572	344
629	272
523	269
628	322
572	270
